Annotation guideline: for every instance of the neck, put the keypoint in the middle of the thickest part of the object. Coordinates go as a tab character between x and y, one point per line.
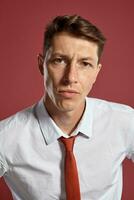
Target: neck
67	121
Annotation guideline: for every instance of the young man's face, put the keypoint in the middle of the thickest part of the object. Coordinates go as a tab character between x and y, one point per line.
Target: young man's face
70	70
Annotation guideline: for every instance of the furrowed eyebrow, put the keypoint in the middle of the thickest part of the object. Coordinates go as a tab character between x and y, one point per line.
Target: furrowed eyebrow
59	54
87	58
66	57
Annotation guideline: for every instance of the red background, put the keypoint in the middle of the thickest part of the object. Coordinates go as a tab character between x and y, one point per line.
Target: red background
22	24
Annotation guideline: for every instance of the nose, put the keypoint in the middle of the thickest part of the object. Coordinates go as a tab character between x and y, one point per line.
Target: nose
71	74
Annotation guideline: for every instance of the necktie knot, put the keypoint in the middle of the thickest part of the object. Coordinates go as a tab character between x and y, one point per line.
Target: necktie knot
68	143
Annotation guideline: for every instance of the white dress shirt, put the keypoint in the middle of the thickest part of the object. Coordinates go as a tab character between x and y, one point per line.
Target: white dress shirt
32	158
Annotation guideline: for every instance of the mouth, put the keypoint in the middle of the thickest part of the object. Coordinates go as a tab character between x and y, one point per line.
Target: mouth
68	93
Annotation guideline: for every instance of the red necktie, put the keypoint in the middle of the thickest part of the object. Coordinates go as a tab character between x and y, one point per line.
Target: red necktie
71	174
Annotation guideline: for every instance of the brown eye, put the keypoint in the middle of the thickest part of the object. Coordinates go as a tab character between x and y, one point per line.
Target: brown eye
58	60
87	64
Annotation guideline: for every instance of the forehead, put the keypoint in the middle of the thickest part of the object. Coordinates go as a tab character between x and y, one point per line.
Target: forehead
68	44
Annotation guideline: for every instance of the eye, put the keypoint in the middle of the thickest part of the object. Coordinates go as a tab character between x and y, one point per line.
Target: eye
86	64
58	60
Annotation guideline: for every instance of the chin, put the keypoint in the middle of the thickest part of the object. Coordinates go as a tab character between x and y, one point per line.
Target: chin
68	106
65	110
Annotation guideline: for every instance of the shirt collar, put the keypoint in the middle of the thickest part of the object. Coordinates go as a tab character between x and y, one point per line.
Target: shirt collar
85	125
52	132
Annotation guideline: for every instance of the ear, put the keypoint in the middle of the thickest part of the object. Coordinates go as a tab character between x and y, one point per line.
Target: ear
40	63
99	66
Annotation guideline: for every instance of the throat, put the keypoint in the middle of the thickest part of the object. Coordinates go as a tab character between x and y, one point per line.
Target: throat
67	121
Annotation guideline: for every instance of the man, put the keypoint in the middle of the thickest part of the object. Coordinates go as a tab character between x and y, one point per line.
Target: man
33	148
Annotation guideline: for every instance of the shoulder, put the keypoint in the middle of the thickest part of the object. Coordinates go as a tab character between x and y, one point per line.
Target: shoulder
115	112
19	119
110	106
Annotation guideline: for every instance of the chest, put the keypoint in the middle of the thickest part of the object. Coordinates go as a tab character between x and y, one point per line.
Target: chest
34	170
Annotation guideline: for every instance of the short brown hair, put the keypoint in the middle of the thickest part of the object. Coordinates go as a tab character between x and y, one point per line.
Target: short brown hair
75	25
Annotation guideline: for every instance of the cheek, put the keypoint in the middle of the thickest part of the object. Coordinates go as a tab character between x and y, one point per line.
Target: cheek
88	80
52	80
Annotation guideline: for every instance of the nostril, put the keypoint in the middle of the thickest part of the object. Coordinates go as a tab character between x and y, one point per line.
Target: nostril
66	81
